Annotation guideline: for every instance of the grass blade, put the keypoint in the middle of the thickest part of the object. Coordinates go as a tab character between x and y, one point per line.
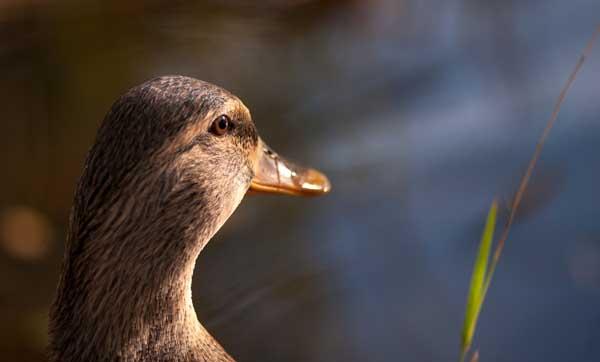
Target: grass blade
477	289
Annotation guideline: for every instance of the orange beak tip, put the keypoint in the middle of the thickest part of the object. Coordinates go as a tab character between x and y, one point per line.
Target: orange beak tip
315	183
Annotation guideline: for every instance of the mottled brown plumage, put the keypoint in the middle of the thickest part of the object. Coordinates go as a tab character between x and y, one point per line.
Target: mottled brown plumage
156	186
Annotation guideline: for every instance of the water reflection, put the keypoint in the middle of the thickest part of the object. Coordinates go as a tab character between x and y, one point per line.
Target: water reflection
420	112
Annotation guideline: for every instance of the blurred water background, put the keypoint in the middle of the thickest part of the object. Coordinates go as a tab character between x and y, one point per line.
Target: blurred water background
419	111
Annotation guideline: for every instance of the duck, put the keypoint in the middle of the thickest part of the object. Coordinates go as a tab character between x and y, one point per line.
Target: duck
171	161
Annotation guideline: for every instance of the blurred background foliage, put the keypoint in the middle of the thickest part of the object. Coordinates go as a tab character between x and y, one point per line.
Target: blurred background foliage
419	111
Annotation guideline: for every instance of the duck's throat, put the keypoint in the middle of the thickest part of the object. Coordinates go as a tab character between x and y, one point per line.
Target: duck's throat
125	292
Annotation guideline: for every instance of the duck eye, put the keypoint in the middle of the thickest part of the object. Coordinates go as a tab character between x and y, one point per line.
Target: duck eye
220	125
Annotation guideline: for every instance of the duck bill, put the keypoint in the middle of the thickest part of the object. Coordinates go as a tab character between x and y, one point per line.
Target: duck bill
276	175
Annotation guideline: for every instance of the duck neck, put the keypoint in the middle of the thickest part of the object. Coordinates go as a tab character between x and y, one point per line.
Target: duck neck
125	289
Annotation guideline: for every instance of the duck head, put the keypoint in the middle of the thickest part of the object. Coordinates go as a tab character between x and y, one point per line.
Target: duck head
183	143
171	161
